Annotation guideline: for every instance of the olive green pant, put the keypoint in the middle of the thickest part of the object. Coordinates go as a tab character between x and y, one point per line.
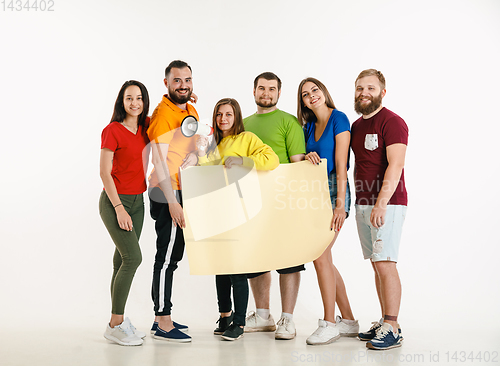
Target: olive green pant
127	255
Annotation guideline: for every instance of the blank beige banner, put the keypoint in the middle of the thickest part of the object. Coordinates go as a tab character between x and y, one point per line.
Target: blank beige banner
242	221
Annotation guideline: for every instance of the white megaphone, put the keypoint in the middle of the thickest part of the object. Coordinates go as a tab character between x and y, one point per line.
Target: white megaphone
190	127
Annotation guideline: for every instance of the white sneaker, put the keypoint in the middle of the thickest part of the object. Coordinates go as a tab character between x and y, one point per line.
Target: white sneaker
325	334
138	333
254	323
285	329
123	335
345	329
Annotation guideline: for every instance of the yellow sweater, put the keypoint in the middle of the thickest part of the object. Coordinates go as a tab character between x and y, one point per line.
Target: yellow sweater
247	146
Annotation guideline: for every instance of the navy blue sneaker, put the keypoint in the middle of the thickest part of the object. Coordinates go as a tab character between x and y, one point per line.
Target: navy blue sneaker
175	335
181	327
372	332
385	338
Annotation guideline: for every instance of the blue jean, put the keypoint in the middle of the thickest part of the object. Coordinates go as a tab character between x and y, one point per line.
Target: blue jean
380	244
332	184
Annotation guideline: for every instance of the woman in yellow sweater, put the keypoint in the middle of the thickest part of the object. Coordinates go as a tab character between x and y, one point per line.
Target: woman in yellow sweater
232	145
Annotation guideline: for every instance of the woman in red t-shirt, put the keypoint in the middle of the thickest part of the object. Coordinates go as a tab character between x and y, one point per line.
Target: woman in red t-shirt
123	165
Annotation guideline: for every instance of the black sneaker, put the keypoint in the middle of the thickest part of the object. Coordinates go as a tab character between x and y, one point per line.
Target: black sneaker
233	333
223	324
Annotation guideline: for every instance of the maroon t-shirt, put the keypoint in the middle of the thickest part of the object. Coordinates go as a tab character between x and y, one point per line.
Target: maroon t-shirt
130	157
369	139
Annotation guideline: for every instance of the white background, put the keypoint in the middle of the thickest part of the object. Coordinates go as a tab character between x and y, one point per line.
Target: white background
59	77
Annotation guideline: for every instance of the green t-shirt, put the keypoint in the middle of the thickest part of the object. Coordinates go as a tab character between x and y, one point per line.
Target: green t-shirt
280	130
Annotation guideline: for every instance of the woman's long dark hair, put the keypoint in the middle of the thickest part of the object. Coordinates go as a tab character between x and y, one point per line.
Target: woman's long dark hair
237	126
119	112
304	114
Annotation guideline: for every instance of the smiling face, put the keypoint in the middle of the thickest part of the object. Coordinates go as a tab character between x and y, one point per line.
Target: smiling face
266	93
180	85
132	101
368	96
312	96
225	119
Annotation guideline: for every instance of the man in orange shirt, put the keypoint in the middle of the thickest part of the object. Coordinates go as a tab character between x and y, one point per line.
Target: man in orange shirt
169	147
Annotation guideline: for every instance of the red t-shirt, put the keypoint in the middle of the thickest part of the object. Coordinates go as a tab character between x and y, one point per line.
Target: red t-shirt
130	159
369	140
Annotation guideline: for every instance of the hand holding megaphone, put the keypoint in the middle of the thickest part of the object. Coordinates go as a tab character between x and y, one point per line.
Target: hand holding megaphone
190	126
202	145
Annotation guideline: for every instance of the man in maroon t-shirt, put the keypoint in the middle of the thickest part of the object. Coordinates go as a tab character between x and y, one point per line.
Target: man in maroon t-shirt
378	140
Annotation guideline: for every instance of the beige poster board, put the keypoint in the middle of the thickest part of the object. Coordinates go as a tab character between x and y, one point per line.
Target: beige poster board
240	220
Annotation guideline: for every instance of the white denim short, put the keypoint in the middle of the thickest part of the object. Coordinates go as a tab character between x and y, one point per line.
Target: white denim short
380	244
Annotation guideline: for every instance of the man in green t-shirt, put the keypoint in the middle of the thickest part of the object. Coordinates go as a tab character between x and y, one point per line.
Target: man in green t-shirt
284	134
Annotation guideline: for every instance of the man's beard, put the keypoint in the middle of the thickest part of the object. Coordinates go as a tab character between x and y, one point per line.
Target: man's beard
177	99
267	104
365	110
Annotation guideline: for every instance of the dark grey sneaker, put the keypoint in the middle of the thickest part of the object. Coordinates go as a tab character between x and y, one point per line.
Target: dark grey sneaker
223	324
233	333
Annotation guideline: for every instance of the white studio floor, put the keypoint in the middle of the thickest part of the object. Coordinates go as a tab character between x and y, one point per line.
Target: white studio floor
53	347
